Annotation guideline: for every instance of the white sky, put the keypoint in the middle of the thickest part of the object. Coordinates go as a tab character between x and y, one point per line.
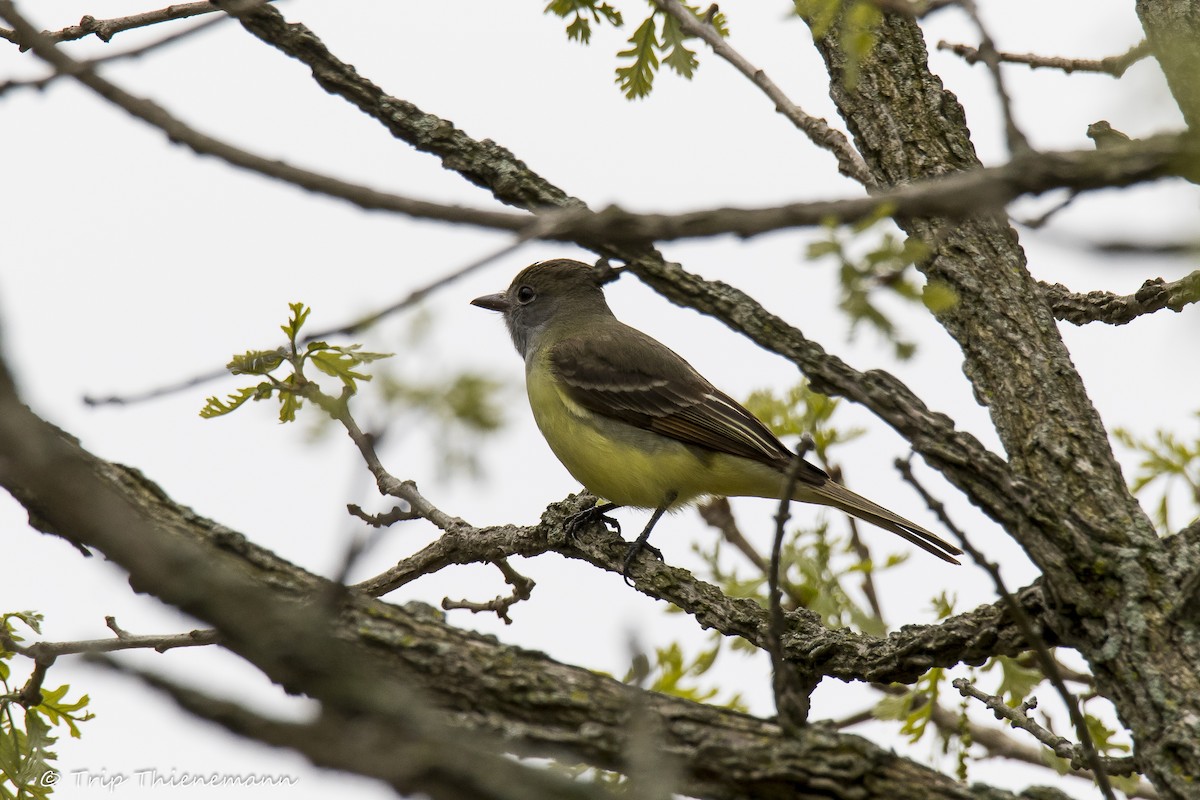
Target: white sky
129	263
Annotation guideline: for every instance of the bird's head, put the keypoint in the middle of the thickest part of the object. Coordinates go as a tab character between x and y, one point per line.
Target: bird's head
546	294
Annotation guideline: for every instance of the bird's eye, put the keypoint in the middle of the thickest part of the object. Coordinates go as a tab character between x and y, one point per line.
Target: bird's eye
526	294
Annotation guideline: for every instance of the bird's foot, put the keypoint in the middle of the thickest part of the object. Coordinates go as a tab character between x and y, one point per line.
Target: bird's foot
635	549
574	524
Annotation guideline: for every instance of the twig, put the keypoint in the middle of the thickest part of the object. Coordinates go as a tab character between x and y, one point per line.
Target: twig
850	163
954	196
793	686
717	512
1046	660
44	654
92	63
1018	718
180	132
860	550
105	29
1017	142
1041	219
408	301
1112	65
1154	295
522	588
386	519
388	484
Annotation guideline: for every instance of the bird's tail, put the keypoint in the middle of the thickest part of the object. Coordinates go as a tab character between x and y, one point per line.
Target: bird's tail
838	496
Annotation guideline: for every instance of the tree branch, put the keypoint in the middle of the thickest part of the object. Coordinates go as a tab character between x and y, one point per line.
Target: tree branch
818	131
1154	295
1112	65
106	29
365	660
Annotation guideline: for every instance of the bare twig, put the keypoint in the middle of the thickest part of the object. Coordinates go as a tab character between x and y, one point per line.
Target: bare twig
1091	758
397	514
1112	65
1041	219
408	301
137	52
46	652
105	29
1017	142
1018	718
388	484
522	588
954	196
717	512
793	685
850	163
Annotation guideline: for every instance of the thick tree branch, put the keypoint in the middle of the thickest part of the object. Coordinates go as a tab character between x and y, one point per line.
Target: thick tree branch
367	660
955	196
900	657
1108	574
1172	30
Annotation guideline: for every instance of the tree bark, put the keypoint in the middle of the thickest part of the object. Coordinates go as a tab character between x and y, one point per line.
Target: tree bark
1110	583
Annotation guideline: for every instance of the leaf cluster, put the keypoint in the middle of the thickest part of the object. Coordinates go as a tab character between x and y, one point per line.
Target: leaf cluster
582	14
884	267
672	673
658	40
26	742
337	361
1167	457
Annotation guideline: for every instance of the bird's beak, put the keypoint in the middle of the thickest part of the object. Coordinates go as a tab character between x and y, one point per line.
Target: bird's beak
492	302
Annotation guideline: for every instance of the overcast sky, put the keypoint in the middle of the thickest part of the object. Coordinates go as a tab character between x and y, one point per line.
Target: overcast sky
129	263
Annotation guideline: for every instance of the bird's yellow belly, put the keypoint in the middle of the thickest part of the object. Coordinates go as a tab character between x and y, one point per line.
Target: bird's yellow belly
633	467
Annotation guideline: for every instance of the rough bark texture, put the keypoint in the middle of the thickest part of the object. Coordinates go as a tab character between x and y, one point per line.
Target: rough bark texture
1106	571
1172	28
1110	586
363	657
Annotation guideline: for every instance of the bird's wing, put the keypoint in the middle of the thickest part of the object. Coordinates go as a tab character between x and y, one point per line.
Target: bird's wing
626	375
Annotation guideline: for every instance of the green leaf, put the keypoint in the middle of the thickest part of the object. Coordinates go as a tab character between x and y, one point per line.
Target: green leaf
938	297
1169	458
819	14
290	400
341	366
637	79
943	604
256	362
583	14
25	756
32	619
674	675
679	56
59	711
1017	681
214	407
300	314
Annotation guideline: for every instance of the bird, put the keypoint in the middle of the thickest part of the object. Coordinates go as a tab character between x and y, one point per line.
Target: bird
638	426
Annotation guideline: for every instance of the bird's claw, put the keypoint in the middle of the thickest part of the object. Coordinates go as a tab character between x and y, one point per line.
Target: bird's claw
575	523
635	549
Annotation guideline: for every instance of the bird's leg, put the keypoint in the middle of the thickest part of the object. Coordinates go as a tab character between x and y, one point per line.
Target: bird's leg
599	512
643	541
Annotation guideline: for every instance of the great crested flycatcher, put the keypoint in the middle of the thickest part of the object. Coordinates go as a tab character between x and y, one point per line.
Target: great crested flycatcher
637	425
